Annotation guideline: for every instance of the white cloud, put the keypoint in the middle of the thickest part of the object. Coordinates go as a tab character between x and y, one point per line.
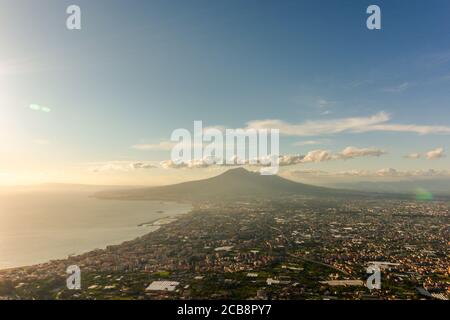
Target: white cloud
315	128
317	156
123	166
142	165
419	129
398	88
290	160
413	156
169	164
437	58
376	122
347	153
309	172
314	156
353	152
306	143
163	145
385	172
220	128
435	154
353	173
193	164
324	103
359	83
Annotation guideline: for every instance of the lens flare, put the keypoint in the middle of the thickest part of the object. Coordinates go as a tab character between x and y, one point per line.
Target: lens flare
36	107
423	195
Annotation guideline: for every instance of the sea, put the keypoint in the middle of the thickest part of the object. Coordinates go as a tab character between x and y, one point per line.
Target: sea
36	227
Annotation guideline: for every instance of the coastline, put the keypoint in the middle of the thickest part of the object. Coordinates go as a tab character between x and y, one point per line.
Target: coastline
156	224
143	228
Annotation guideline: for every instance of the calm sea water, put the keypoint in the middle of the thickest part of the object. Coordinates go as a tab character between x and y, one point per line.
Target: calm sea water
38	227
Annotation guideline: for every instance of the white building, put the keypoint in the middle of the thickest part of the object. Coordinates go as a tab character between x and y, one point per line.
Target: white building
162	286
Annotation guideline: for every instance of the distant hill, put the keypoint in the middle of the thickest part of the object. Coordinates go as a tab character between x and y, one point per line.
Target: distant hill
232	184
438	187
57	188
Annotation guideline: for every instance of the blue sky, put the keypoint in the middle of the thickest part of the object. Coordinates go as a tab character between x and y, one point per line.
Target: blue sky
140	69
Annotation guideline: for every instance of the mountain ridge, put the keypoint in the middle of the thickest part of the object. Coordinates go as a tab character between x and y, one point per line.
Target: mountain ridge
439	187
236	183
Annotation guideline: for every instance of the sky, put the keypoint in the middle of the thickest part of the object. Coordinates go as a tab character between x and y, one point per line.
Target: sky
98	105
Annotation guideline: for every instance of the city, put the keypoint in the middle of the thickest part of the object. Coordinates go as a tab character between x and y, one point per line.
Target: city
292	248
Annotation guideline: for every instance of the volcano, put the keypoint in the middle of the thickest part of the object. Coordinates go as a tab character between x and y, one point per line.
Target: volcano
233	184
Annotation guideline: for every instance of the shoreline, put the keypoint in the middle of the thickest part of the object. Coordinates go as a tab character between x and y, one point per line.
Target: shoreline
152	225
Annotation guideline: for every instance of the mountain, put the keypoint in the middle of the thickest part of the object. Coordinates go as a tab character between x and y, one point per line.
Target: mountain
57	188
232	184
439	187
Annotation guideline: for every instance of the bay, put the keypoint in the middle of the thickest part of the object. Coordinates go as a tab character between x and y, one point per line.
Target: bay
36	227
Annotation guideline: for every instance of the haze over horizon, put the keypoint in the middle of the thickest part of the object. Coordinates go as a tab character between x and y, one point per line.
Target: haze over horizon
98	106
